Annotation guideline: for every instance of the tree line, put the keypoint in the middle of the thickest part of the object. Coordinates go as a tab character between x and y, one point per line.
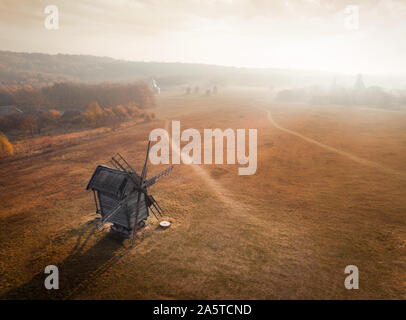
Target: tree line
68	107
53	121
77	96
23	124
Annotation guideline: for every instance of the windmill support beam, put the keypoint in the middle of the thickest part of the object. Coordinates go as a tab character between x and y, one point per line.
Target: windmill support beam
96	202
153	212
136	217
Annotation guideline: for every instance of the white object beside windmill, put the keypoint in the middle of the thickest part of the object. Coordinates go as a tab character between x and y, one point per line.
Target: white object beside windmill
164	224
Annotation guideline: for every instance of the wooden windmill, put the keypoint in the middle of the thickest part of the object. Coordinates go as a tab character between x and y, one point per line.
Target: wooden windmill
121	195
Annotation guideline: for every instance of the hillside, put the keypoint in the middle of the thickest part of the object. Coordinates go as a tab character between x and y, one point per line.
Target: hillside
38	68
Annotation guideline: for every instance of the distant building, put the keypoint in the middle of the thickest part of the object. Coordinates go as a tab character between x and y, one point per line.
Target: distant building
70	114
5	110
154	87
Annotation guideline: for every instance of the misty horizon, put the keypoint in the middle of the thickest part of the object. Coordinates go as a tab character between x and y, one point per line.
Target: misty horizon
333	73
89	68
288	35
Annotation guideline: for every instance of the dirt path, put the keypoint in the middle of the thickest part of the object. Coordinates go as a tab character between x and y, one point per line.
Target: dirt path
350	156
220	192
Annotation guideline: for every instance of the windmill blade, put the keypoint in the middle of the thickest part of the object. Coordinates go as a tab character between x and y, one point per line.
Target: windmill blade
154	213
151	181
157	206
151	205
119	162
144	169
154	203
111	214
136	217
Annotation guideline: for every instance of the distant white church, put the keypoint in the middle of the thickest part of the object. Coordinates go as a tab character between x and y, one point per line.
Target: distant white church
154	87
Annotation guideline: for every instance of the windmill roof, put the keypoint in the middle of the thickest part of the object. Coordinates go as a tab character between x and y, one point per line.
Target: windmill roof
109	180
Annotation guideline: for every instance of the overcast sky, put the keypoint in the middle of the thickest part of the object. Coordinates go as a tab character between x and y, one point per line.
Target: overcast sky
295	34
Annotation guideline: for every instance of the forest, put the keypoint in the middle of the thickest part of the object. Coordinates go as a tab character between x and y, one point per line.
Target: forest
75	96
68	107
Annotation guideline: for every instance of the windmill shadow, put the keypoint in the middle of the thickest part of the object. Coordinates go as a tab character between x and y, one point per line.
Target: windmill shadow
77	271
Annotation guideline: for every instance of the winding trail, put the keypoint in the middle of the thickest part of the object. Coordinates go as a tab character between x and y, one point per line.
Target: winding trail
348	155
219	191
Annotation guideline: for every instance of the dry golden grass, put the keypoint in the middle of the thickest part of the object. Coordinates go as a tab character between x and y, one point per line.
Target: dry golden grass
286	232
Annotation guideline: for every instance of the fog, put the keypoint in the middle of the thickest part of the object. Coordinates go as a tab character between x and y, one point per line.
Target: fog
319	35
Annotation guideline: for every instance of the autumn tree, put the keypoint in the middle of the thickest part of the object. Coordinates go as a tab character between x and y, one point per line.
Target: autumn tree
53	115
148	117
29	124
49	118
6	148
134	110
110	118
121	112
93	113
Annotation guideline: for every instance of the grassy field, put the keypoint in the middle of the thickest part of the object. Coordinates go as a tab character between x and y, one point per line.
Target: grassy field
329	192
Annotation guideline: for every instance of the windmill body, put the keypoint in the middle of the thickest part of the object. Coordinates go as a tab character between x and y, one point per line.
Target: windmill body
115	191
121	195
